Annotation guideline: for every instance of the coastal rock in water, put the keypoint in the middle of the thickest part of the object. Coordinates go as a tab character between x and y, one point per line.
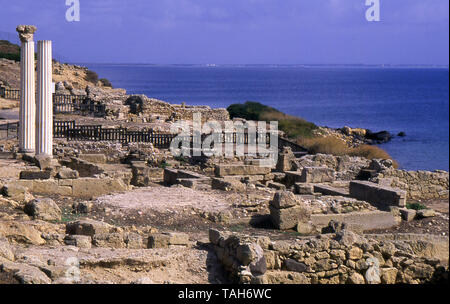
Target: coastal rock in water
351	132
379	137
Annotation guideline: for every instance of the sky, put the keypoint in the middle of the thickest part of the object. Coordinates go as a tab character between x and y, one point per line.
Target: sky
238	31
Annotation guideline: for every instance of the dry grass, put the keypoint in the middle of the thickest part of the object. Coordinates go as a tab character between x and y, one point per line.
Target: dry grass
335	146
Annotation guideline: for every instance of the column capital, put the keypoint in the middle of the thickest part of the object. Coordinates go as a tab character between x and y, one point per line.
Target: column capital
26	32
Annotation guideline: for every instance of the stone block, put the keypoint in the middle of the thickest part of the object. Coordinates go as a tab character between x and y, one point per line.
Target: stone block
361	220
285	219
426	213
214	236
284	199
93	158
293	177
45	186
408	214
18	192
317	175
109	240
304	188
134	241
293	265
276	186
381	196
88	227
163	240
44	162
158	240
170	176
225	170
81	241
82	207
330	190
227	185
94	187
31	174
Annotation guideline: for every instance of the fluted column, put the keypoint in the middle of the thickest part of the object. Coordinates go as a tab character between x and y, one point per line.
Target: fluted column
44	111
27	110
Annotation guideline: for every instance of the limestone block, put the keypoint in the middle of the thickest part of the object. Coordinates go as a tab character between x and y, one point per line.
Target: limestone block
317	175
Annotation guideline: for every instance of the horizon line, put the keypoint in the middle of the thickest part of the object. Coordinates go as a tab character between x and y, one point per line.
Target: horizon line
269	64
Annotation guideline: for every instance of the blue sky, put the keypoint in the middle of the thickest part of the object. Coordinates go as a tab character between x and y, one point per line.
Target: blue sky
239	31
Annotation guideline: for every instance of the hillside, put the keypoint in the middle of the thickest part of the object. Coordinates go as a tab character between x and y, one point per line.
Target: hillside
78	76
9	50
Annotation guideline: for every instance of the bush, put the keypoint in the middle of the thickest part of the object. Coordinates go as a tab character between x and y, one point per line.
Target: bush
91	76
416	206
336	146
325	145
15	57
292	126
105	82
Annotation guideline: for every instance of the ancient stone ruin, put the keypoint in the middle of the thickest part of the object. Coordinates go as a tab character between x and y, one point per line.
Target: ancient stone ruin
103	200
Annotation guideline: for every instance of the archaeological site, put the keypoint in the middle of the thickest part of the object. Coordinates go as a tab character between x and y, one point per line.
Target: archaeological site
92	192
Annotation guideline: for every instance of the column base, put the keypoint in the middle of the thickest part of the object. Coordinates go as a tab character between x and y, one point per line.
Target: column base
26	151
45	155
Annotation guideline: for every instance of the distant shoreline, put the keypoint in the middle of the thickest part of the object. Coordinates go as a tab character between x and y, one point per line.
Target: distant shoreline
306	66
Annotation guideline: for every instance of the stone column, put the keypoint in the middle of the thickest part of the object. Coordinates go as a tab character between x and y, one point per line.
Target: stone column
44	111
27	89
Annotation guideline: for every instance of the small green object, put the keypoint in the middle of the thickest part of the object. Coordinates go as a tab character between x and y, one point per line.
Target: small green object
416	206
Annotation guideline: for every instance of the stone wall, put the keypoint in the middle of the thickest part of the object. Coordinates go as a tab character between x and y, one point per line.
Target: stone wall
342	258
114	152
346	167
154	109
208	114
82	188
418	184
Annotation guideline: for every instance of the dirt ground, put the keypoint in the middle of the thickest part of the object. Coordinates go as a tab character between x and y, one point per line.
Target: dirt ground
6	104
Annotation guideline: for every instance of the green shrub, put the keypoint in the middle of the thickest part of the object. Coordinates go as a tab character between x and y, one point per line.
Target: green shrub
416	206
105	82
292	126
15	57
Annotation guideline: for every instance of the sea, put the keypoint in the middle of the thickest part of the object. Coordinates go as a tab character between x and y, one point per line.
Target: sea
414	100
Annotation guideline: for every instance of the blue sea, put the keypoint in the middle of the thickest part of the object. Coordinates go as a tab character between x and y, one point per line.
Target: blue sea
412	100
